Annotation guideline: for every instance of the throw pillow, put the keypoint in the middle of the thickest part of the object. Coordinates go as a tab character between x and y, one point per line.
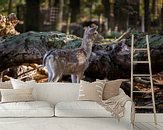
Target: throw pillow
5	85
16	95
111	88
18	84
91	91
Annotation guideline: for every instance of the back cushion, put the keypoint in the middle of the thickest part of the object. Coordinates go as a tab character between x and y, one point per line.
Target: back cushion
57	92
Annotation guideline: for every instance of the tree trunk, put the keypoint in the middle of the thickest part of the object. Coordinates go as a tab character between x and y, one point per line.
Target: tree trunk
75	9
32	21
147	15
106	4
154	7
9	7
162	18
60	16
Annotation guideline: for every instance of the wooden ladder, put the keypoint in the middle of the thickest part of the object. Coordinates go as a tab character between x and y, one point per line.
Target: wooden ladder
147	49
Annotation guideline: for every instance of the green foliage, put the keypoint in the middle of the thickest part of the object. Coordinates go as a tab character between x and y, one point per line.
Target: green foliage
3	6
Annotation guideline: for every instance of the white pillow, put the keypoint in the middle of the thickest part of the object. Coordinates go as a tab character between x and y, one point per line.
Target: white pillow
18	84
16	95
26	109
81	109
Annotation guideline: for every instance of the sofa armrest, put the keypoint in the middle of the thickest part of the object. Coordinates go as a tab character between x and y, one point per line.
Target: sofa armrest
126	119
128	110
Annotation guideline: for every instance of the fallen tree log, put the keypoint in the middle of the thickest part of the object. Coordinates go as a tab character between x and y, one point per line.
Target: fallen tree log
110	61
30	47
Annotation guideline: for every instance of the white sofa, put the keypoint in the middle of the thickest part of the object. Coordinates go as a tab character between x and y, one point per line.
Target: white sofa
64	113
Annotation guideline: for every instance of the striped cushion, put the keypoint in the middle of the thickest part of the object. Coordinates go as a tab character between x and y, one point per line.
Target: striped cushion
91	91
16	95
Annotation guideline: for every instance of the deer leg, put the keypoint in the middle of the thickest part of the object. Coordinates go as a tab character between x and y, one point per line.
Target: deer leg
57	77
50	71
79	77
73	78
50	75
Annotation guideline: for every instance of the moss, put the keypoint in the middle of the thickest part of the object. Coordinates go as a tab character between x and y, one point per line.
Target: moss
50	39
155	40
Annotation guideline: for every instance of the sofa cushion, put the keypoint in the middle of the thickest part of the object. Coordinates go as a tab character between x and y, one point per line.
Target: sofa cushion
5	85
91	91
26	109
80	109
16	95
18	84
111	88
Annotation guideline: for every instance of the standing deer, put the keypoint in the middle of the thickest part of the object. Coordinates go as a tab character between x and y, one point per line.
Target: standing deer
71	61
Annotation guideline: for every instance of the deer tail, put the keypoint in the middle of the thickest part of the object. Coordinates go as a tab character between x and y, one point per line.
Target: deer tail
46	57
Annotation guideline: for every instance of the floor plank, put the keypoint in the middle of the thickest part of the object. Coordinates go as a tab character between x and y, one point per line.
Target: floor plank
148	126
160	124
152	127
141	126
136	128
157	126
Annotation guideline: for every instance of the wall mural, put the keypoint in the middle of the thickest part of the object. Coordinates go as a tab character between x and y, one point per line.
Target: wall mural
22	55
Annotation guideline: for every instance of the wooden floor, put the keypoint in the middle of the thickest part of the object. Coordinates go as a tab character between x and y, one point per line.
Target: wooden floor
148	126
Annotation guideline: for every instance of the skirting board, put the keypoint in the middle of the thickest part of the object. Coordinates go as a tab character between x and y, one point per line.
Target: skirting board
139	117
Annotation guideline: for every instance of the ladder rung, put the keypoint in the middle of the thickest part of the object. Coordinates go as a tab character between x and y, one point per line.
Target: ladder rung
141	75
143	62
148	107
142	91
140	49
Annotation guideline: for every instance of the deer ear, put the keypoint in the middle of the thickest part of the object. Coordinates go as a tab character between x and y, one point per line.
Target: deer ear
92	30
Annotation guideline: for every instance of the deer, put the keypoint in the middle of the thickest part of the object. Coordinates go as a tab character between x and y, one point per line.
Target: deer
72	62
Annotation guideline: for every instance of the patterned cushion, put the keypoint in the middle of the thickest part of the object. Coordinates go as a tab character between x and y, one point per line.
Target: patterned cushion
16	95
91	91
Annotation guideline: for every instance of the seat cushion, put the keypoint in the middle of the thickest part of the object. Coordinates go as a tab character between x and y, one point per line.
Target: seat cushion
26	109
80	109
